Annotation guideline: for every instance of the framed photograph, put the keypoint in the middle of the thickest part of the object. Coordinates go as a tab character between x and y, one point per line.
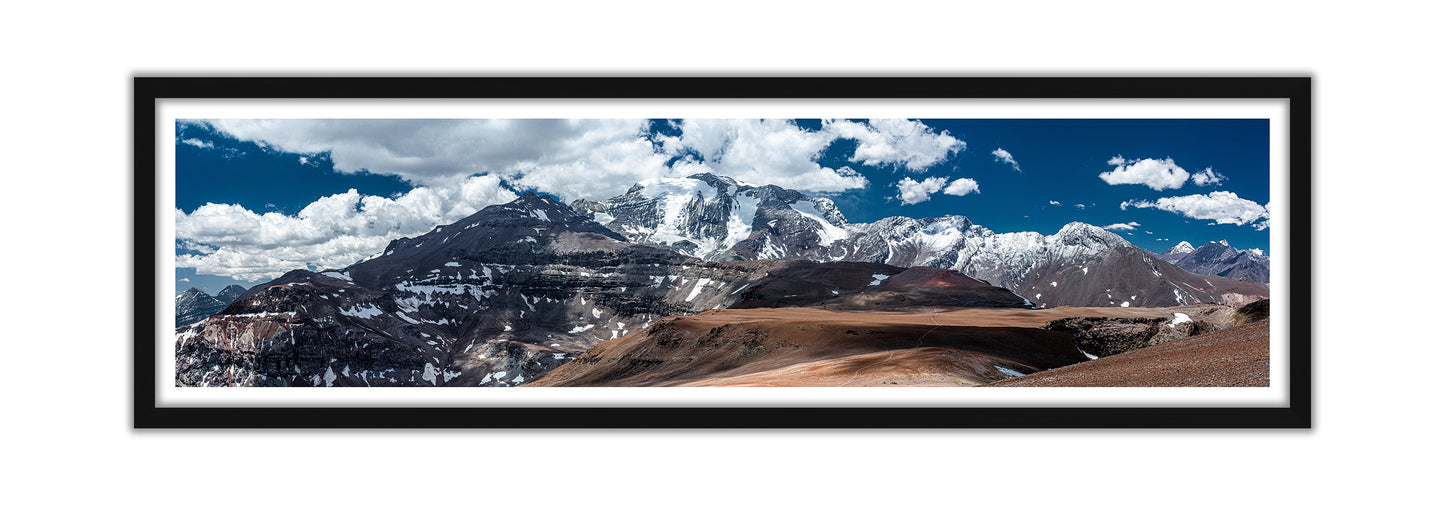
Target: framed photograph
722	252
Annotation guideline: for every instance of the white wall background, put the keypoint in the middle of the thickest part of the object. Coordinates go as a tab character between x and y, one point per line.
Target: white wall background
67	251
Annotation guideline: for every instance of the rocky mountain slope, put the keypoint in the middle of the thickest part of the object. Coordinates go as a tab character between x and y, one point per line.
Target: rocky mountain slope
1220	259
506	294
716	217
1232	357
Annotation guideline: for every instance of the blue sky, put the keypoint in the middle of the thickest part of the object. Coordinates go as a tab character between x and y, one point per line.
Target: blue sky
256	198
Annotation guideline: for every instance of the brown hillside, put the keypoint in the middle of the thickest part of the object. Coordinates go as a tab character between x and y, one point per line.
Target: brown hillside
817	347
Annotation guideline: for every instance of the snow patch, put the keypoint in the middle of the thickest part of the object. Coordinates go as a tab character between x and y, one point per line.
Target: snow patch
1010	372
696	289
1178	319
362	311
828	232
878	278
338	275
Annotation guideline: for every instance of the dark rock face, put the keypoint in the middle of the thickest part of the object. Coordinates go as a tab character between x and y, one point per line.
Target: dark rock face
1102	337
880	287
1252	312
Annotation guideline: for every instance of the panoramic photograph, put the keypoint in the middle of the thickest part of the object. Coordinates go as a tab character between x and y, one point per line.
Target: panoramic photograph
686	252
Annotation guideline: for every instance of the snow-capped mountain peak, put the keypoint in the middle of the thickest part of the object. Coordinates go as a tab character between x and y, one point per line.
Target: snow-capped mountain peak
704	215
1182	247
1087	237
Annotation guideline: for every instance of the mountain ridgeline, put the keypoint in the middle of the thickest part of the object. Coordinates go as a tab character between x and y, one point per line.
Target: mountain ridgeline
518	289
194	305
1218	258
506	294
715	217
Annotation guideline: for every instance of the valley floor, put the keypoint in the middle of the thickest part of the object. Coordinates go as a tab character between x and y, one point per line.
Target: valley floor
809	347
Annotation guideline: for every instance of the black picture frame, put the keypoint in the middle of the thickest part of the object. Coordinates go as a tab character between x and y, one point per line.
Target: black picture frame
1296	90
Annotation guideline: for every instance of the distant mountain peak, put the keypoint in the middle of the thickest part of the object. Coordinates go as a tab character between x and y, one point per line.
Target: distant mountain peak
195	305
1221	259
230	293
1182	247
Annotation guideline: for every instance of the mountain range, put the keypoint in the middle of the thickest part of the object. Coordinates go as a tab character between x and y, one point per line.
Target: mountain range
506	294
716	217
194	305
1220	259
518	289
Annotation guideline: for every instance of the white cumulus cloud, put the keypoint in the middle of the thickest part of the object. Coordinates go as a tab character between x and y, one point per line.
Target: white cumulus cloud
572	158
199	143
1208	177
1004	157
1123	226
896	142
460	165
769	151
1264	223
913	192
1054	203
1221	207
1156	174
332	232
962	186
584	157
